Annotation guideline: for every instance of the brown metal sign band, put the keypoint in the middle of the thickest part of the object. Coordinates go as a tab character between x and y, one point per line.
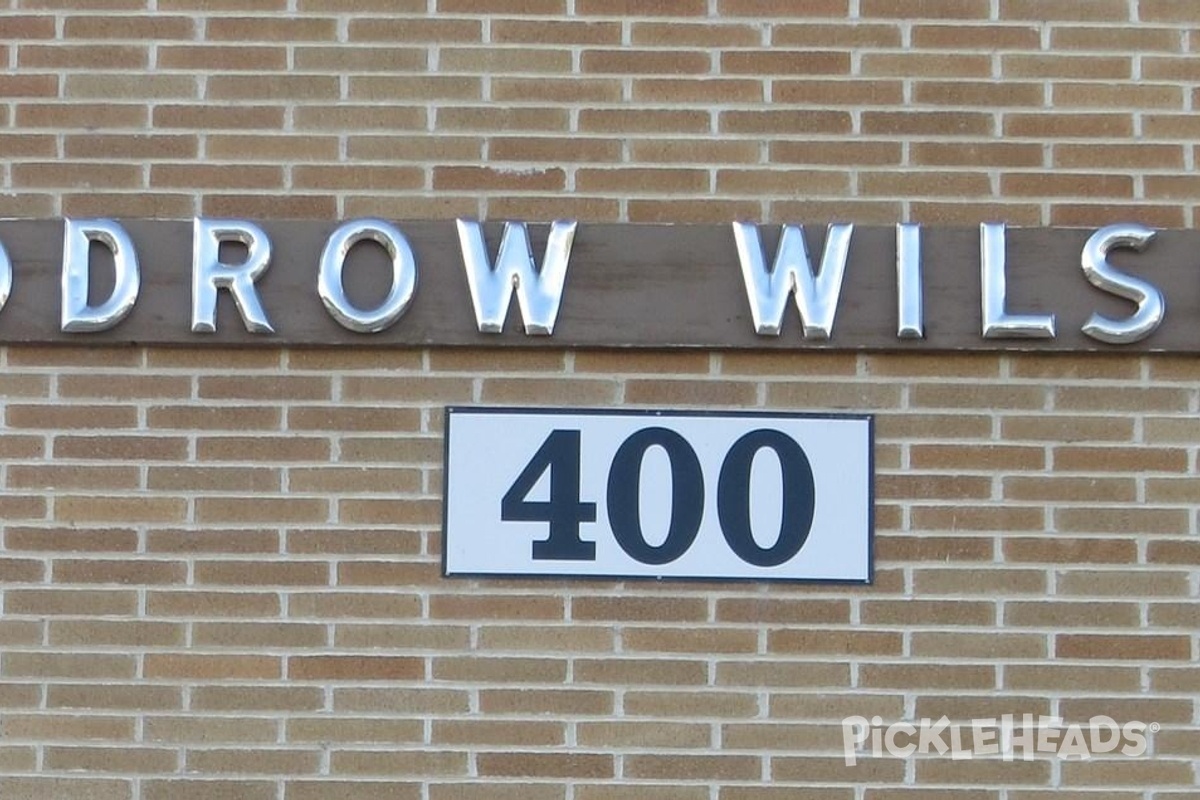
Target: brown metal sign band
652	286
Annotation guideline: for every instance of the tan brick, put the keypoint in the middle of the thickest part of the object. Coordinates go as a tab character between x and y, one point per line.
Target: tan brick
1070	551
1118	647
131	633
943	549
997	457
1121	520
240	57
784	611
1024	185
550	31
381	731
988	772
838	93
793	123
70	417
359	541
212	604
1072	677
73	477
86	666
925	612
630	8
1066	66
978	645
652	121
411	762
21	570
496	791
69	727
668	672
1064	10
257	761
75	509
360	59
780	62
259	634
842	152
196	789
472	178
781	793
542	765
51	788
110	759
262	448
962	154
1172	552
1160	771
782	675
835	769
1071	614
499	669
933	676
139	697
234	540
1066	428
934	487
256	698
1128	583
627	61
29	26
553	149
496	60
1056	489
701	640
691	705
240	418
180	666
268	28
136	572
318	789
835	641
688	767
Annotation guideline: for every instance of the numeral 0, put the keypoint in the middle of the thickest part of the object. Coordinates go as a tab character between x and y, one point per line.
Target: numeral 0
565	512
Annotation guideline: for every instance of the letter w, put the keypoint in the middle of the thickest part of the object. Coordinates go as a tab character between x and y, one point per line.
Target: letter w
539	292
816	294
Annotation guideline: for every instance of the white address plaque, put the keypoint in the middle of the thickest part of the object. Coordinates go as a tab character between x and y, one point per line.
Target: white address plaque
658	494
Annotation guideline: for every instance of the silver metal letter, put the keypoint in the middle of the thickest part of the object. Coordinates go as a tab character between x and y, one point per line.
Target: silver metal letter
997	323
909	308
78	235
816	295
539	292
333	259
6	277
209	274
1151	307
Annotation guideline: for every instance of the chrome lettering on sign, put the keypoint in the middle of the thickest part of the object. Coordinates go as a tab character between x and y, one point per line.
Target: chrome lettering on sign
209	273
6	278
333	260
78	235
997	322
792	273
909	308
1151	306
539	292
491	283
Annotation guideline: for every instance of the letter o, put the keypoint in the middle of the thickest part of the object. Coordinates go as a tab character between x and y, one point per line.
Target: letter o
333	259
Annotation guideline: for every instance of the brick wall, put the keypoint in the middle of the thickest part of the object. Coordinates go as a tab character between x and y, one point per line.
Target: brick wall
220	570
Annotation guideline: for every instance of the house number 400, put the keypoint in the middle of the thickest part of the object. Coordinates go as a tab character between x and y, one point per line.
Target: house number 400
565	511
